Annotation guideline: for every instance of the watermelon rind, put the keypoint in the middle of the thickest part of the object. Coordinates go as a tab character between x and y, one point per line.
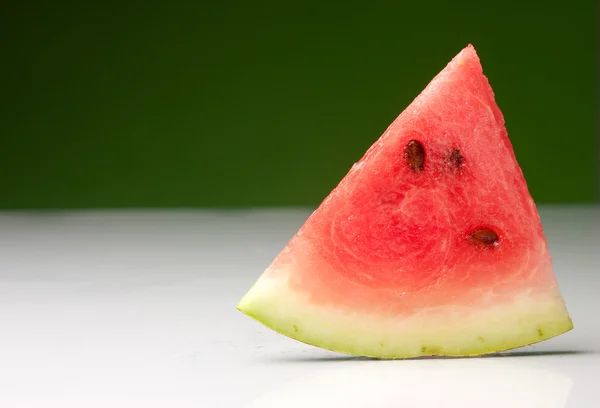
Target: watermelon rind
442	331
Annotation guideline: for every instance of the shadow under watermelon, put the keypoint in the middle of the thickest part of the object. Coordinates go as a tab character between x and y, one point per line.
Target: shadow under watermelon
341	358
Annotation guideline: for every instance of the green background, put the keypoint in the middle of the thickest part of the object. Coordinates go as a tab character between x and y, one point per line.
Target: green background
269	103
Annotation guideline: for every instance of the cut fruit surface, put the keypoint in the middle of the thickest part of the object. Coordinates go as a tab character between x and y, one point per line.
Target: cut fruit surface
430	245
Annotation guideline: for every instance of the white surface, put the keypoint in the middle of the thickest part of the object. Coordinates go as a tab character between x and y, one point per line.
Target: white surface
137	309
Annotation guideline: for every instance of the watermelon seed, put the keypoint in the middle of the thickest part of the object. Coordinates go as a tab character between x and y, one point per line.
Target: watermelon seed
485	237
414	154
455	159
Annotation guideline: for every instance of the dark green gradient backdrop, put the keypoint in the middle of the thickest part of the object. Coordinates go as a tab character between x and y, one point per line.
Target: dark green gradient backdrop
269	103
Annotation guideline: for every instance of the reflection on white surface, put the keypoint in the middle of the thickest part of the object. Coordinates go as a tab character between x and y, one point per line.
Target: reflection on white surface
487	382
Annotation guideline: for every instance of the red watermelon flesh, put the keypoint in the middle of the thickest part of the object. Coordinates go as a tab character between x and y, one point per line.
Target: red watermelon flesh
430	245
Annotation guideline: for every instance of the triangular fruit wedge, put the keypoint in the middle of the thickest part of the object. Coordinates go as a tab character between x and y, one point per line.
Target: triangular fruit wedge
430	245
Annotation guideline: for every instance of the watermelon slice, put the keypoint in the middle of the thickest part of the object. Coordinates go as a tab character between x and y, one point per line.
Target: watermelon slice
430	245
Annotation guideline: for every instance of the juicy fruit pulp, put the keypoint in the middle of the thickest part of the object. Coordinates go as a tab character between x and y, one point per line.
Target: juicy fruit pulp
430	245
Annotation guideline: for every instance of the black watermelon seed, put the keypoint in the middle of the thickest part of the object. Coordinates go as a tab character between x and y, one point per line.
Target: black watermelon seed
414	155
485	237
455	159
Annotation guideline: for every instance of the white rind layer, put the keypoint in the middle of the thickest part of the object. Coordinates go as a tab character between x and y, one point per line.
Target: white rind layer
442	331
